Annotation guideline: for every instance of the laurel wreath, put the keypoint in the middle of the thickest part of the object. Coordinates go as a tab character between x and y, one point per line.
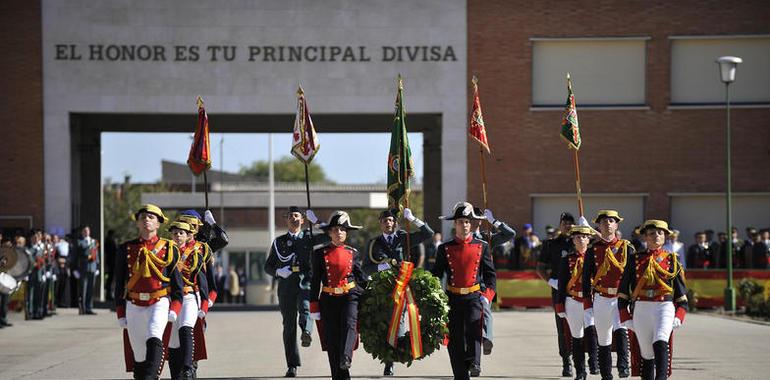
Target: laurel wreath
376	306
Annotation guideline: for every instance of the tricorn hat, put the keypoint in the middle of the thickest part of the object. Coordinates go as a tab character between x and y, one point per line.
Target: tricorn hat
181	226
654	223
151	209
607	214
581	229
340	218
462	210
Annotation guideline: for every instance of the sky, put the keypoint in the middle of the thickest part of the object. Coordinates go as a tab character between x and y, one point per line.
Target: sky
347	158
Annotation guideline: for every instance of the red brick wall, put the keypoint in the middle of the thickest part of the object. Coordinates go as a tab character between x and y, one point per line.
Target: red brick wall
21	107
656	151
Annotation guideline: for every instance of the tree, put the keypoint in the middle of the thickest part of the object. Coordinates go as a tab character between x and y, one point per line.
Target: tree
286	169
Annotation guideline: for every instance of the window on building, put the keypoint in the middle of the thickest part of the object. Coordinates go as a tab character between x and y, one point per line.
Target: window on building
606	72
695	76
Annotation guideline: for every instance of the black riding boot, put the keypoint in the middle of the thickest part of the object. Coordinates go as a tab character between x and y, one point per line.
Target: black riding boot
154	359
175	362
579	357
605	362
566	367
139	368
186	348
648	369
661	359
621	343
592	346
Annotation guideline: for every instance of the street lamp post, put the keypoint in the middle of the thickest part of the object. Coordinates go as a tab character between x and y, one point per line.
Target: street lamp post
727	67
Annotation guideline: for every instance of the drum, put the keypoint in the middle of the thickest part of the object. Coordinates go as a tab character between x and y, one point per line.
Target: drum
21	263
7	283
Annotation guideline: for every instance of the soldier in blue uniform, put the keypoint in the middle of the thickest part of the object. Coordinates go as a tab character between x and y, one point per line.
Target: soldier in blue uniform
289	262
390	248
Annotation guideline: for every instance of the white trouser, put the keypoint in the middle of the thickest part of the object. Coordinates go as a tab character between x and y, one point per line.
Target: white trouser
145	322
575	317
653	321
187	318
607	318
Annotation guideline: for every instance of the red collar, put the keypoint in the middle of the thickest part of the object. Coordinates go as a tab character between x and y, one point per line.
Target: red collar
152	240
655	252
464	241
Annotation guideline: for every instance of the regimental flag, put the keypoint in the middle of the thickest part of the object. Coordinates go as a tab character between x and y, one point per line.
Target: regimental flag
569	122
304	144
477	130
199	159
400	165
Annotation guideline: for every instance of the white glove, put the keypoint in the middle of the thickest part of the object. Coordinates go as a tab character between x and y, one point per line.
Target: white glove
48	274
484	299
554	283
209	217
96	273
54	277
123	323
629	324
76	274
408	215
310	215
201	314
211	303
588	317
283	272
489	216
677	323
383	266
315	316
562	315
172	316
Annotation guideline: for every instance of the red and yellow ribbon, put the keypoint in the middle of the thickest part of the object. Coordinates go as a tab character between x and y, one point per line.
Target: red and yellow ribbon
404	299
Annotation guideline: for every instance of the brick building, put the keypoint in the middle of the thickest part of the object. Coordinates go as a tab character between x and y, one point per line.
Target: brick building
649	99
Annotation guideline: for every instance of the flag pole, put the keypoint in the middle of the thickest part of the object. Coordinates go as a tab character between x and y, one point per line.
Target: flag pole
577	181
307	193
402	156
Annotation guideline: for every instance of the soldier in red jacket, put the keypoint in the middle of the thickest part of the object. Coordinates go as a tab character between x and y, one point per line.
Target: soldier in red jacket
654	282
604	265
336	284
148	291
570	296
467	262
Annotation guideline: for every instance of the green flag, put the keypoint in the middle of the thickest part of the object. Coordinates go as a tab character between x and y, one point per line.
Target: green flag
569	122
400	165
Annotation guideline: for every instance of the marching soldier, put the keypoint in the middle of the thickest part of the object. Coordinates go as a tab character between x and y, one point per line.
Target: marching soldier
193	257
467	261
86	267
148	291
496	240
289	261
390	248
548	270
337	283
205	232
571	297
653	282
604	265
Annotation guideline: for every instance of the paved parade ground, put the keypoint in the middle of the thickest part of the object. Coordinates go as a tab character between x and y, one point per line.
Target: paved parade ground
244	345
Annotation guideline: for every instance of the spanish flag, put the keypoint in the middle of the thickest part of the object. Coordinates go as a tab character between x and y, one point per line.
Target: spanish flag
199	159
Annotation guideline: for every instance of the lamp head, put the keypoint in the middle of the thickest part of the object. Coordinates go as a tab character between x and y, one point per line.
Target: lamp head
727	66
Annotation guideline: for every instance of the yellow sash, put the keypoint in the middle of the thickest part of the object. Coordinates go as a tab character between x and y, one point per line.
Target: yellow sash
147	263
609	259
654	273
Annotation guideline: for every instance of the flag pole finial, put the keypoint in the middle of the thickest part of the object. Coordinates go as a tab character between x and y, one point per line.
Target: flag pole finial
400	82
199	101
300	91
475	80
568	76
